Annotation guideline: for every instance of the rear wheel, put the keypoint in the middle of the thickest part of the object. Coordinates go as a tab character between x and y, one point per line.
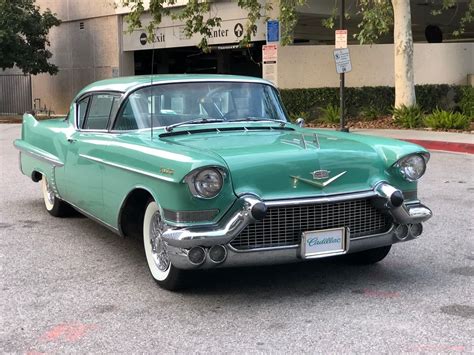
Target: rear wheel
370	256
53	204
159	264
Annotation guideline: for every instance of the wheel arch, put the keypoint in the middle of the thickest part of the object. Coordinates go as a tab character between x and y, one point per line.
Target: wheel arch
132	211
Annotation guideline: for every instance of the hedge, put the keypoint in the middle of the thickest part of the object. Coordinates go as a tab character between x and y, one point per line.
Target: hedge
308	102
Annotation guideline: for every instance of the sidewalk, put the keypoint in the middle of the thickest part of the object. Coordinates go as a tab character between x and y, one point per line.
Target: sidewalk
431	140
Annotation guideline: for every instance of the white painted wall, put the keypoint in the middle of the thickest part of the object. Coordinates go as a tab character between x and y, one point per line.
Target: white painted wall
313	66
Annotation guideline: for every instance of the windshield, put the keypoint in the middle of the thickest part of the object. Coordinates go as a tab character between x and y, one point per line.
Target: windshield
200	102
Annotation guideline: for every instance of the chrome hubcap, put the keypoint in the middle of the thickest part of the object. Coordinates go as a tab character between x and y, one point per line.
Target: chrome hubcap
49	193
158	247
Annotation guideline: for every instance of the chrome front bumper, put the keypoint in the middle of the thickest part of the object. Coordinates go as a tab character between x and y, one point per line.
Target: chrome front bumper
250	209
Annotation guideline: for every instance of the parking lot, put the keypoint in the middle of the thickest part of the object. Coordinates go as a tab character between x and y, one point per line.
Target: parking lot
70	285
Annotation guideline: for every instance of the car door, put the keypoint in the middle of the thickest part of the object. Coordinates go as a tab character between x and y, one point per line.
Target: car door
87	147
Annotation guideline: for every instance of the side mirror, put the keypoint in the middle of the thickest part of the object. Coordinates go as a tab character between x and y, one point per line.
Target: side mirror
300	122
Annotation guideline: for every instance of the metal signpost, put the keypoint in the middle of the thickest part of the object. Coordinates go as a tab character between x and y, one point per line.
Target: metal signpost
340	43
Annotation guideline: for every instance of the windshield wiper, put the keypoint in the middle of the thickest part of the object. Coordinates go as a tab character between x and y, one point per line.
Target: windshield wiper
256	119
196	121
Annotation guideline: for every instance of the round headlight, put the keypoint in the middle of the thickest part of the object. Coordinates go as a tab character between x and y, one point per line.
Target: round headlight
412	167
208	183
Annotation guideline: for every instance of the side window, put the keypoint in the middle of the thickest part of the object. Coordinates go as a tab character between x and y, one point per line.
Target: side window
81	111
100	107
136	112
126	119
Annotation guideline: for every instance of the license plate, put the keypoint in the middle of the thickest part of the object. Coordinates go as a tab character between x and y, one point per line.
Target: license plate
323	243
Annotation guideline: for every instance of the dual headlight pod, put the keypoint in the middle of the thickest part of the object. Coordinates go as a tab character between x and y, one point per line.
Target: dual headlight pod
206	182
413	166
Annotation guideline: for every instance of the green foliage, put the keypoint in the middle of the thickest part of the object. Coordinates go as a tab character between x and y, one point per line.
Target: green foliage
331	114
467	17
23	37
311	100
370	113
441	119
288	19
466	104
377	20
378	99
197	15
408	116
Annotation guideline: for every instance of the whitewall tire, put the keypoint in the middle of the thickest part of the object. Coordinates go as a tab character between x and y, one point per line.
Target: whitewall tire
159	264
55	206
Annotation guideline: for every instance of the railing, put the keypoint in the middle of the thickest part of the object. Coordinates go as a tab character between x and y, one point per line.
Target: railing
15	94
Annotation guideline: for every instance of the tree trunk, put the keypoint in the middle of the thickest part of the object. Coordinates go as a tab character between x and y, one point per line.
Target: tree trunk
403	48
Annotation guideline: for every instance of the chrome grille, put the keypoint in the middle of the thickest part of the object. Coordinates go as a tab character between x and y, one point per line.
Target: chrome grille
284	225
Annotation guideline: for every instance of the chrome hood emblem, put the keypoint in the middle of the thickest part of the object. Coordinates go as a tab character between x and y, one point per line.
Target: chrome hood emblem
318	174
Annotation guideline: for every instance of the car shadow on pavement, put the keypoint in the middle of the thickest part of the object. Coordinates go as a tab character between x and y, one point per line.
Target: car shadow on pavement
322	276
299	279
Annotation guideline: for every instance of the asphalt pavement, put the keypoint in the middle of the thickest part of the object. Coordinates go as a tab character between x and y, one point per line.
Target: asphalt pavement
70	285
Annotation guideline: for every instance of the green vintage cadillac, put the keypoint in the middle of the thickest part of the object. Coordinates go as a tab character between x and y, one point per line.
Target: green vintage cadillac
209	172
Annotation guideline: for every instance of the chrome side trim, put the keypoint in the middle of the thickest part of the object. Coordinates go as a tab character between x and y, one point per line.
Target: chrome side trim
126	168
325	199
49	160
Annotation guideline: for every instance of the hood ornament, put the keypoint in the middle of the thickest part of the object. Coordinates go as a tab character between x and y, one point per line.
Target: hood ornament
322	174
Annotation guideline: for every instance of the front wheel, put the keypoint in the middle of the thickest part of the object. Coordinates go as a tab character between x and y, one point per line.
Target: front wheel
159	264
55	206
370	256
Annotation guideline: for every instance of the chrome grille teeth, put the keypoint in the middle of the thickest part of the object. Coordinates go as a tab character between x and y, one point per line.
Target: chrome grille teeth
283	225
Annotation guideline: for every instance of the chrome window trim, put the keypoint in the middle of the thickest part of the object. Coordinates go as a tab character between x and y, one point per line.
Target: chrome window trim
112	113
126	168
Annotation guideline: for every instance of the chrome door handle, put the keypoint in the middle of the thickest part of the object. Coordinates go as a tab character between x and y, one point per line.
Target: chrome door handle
71	140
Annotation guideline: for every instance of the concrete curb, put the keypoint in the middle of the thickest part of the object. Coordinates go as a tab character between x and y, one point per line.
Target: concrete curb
443	146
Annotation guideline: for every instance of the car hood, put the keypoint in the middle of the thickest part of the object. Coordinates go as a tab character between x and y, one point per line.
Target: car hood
279	164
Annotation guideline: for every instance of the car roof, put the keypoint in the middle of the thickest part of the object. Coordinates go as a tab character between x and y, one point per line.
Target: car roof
127	83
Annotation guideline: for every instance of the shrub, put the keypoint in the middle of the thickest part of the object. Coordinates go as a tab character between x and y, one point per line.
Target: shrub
466	104
441	119
380	98
331	114
370	113
408	116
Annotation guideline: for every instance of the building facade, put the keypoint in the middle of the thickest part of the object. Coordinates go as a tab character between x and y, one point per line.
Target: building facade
92	44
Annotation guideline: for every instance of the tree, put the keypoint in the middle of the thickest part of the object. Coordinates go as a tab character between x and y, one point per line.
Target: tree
23	37
377	18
